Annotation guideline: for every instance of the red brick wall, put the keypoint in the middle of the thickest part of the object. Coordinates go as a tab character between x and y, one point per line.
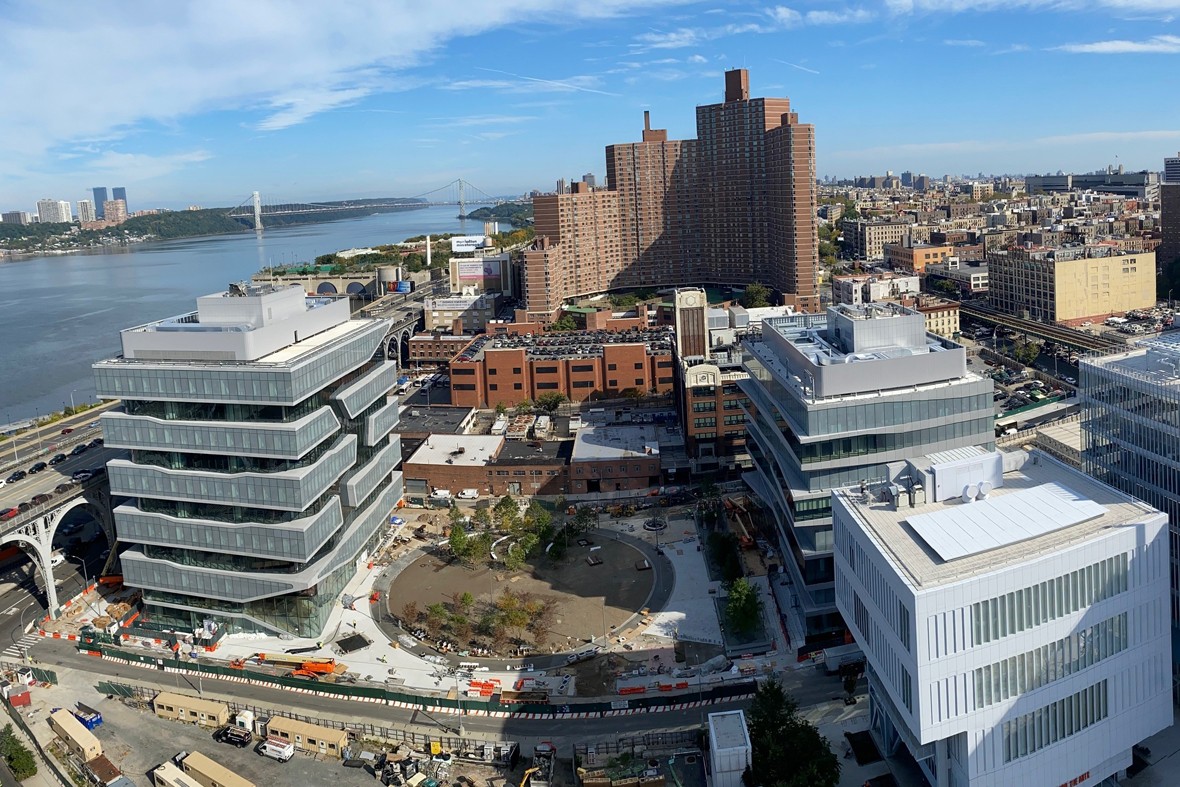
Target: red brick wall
494	477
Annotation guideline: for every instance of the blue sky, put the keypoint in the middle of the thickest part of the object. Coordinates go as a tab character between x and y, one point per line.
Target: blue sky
205	102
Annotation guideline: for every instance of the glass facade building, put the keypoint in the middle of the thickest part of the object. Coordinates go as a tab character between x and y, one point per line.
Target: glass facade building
262	461
1130	405
833	399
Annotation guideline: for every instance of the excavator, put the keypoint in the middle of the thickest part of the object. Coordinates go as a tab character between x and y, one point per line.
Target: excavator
524	780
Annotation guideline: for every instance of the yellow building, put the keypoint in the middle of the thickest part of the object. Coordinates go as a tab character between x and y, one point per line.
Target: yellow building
942	316
1072	284
210	773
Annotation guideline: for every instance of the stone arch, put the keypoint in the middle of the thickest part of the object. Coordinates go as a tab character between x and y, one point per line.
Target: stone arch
404	346
356	288
40	555
326	288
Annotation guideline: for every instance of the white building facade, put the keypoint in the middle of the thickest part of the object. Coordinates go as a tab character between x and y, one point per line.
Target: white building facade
1020	638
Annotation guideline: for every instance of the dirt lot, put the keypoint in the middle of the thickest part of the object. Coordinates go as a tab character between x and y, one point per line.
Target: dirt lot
587	596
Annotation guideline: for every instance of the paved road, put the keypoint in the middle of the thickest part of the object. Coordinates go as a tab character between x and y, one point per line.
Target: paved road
48	479
60	656
21	449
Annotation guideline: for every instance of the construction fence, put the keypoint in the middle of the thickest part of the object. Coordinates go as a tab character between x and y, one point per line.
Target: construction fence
446	705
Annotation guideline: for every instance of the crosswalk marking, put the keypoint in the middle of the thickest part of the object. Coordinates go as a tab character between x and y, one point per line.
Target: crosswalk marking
17	649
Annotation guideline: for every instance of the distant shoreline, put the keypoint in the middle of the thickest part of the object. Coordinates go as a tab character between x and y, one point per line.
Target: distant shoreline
7	255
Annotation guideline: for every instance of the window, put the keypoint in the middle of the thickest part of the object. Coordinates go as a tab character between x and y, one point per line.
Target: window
1031	732
612	367
613	383
517	386
702	422
464	386
664	364
492	371
582	367
704	407
493	387
461	370
583	383
546	370
546	386
639	366
665	381
516	370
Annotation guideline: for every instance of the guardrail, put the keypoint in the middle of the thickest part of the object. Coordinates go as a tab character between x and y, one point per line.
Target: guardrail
56	499
84	434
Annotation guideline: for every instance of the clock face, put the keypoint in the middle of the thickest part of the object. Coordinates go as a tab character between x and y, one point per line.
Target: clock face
690	300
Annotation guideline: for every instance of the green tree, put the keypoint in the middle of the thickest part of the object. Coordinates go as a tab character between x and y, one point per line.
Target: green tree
20	760
466	602
436	616
756	296
787	750
460	542
480	547
743	607
482	517
947	287
564	323
501	408
551	400
506	513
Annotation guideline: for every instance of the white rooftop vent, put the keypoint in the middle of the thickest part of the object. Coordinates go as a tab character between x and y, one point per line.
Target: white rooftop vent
985	489
969	493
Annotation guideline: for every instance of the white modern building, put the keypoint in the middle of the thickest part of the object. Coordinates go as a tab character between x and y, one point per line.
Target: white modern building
53	211
834	399
86	211
1014	616
263	463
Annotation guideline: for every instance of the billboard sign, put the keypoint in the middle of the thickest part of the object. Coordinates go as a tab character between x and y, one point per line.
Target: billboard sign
405	286
467	242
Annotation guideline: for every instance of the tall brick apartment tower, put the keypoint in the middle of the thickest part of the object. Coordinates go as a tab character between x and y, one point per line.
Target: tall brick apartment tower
756	193
656	183
734	206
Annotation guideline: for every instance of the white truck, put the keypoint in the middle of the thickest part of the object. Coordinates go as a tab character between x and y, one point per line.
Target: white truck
277	749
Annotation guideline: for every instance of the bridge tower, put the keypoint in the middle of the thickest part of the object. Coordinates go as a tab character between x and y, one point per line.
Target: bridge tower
257	212
462	200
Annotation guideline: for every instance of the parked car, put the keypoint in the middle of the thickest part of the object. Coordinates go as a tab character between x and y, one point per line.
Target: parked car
58	459
96	442
235	736
63	487
79	449
9	513
37	468
41	499
19	475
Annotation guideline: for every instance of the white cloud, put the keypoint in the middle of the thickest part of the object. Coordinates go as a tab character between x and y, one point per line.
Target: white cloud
1164	44
775	19
698	59
846	16
139	64
953	6
968	42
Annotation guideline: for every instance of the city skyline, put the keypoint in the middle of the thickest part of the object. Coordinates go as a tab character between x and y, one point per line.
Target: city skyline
527	92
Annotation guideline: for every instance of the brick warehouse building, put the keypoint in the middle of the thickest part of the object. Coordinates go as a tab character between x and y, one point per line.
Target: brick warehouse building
508	370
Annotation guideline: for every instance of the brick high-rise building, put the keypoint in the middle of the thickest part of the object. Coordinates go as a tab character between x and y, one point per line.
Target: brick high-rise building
577	248
654	180
1169	249
734	206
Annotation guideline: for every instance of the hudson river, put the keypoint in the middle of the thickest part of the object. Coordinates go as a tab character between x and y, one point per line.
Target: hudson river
60	314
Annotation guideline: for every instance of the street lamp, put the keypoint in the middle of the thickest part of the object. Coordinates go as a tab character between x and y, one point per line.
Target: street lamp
72	410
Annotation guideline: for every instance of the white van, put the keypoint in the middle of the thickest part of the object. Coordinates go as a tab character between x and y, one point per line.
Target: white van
468	494
440	494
